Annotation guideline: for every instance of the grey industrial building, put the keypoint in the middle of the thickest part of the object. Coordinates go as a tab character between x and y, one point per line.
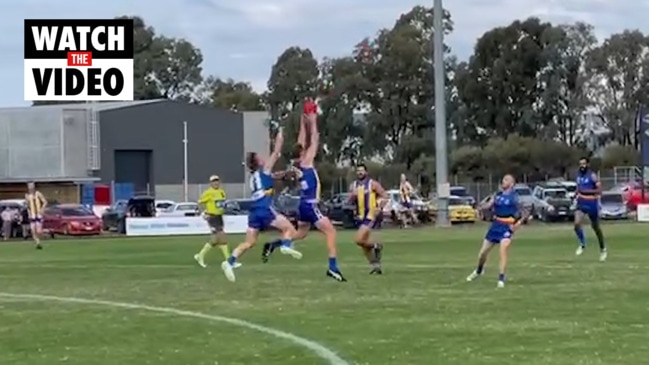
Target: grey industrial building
139	142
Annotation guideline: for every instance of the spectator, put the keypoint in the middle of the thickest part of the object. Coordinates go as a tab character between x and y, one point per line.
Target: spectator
24	223
7	223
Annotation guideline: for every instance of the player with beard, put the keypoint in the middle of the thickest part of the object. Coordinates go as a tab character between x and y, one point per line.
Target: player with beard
370	198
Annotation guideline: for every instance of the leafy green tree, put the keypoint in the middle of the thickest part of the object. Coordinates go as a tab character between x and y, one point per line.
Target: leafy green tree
233	95
619	71
564	93
294	77
176	68
500	88
342	127
399	88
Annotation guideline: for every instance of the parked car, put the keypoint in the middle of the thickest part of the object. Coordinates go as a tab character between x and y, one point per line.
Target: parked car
635	196
461	191
185	209
288	206
525	196
114	218
394	207
552	203
237	206
613	206
460	210
71	220
163	205
569	185
340	210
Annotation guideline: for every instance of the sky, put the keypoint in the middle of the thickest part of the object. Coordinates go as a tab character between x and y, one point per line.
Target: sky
241	39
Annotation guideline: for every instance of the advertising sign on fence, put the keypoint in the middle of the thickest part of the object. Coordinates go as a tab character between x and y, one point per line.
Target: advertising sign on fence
172	226
643	213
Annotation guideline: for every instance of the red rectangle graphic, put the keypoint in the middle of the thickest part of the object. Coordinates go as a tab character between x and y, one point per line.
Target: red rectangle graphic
79	59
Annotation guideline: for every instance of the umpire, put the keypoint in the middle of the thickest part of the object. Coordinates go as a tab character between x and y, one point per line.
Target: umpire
212	203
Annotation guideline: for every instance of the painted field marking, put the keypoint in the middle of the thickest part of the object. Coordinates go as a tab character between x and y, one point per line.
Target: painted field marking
329	356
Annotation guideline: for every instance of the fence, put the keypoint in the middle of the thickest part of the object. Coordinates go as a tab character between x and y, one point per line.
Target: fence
332	185
483	188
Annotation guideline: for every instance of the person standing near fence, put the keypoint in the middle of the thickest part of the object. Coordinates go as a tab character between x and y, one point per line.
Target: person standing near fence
212	203
7	221
36	204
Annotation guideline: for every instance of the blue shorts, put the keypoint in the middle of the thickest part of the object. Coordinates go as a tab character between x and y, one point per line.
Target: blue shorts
35	220
309	213
261	218
498	232
406	205
590	208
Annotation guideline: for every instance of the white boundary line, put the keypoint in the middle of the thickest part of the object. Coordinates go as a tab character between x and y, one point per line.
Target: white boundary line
329	356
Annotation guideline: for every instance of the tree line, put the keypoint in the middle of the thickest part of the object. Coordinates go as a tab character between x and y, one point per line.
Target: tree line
516	105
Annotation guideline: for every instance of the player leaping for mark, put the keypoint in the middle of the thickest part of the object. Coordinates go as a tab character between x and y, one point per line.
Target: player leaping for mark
261	215
309	213
588	191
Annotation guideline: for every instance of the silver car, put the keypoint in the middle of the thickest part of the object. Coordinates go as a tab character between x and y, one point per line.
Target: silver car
612	206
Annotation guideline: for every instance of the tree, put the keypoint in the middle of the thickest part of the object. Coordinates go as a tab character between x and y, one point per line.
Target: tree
294	77
342	127
176	70
564	94
500	88
619	71
399	88
233	95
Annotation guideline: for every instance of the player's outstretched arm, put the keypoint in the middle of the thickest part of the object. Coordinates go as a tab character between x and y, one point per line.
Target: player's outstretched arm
277	152
301	136
314	141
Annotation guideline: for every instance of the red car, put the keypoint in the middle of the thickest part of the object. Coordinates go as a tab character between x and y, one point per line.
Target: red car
634	197
71	219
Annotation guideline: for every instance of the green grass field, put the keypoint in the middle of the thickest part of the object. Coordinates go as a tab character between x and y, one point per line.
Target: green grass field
557	309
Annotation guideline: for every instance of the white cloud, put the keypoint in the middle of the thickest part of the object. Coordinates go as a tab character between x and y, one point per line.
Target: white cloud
240	39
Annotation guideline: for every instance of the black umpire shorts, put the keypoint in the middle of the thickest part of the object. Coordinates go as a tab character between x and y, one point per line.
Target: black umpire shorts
215	222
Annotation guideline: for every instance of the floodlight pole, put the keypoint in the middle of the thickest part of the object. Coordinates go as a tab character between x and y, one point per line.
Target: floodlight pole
185	163
441	153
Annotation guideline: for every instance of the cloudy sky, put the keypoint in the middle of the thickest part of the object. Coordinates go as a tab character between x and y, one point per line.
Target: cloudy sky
241	39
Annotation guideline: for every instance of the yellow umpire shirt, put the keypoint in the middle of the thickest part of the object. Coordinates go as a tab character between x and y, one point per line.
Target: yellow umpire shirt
213	200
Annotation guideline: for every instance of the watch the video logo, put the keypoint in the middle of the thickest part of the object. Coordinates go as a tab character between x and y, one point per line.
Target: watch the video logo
78	59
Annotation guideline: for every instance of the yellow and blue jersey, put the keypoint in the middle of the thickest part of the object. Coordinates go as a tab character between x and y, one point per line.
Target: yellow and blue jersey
404	193
366	200
34	205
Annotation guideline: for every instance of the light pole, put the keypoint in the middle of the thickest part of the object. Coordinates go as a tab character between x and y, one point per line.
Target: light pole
441	153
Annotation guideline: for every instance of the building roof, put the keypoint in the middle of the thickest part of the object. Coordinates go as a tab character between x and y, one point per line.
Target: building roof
94	106
76	180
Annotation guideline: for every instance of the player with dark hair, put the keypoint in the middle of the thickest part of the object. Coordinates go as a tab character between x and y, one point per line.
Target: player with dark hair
261	215
508	216
309	182
370	198
588	191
